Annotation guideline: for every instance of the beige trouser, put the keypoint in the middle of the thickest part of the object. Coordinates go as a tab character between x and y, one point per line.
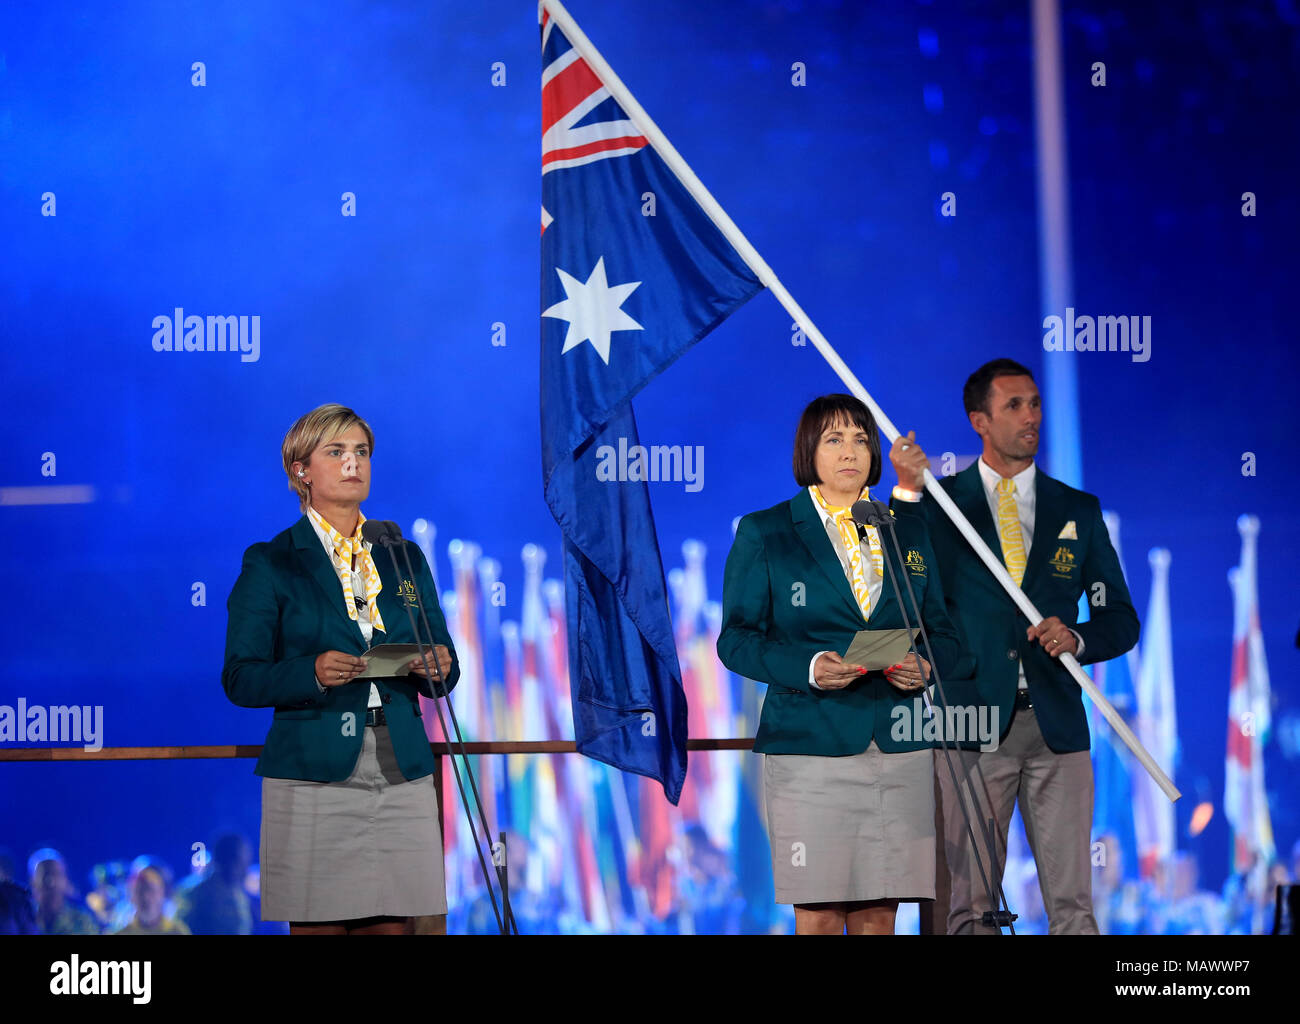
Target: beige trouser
1055	795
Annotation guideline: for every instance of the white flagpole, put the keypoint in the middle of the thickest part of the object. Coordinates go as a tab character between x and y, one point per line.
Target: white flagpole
759	266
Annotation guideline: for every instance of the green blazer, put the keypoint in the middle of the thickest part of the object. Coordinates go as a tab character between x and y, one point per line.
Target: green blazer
1059	570
286	608
785	597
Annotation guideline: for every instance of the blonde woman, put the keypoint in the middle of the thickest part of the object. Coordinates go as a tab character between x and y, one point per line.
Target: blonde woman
350	841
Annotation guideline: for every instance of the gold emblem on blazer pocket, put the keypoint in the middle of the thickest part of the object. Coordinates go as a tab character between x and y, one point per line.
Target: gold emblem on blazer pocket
915	563
406	591
1062	563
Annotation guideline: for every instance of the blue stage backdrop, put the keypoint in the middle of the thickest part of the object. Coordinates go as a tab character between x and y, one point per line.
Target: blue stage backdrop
356	186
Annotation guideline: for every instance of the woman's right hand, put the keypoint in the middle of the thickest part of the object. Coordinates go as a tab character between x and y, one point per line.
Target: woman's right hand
334	668
833	673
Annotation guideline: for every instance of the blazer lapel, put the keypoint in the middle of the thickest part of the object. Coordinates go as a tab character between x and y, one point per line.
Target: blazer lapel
886	599
1049	515
968	495
390	605
317	565
808	524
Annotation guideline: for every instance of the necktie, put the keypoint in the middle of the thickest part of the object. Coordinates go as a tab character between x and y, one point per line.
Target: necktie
344	550
1013	544
853	546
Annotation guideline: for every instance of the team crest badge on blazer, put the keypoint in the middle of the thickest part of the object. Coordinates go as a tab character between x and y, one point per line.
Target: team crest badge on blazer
406	591
1063	561
915	563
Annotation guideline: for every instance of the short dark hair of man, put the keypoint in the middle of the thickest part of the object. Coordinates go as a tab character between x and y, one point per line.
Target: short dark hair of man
975	395
819	415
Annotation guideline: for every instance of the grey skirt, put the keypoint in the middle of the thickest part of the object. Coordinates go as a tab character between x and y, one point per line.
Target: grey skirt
365	847
851	828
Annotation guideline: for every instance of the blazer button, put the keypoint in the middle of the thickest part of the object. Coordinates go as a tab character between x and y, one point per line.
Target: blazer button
1011	655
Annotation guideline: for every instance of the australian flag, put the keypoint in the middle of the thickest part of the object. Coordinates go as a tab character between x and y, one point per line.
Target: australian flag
633	273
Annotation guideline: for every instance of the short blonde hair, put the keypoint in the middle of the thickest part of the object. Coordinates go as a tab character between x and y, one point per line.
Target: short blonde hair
309	432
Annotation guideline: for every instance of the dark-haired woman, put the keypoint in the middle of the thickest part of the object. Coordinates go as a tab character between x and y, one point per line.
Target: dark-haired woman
848	778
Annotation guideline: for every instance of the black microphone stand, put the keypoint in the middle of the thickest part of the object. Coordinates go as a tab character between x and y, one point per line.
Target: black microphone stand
877	514
389	535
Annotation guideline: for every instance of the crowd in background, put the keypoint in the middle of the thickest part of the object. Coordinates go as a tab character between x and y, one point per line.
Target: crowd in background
220	897
1172	902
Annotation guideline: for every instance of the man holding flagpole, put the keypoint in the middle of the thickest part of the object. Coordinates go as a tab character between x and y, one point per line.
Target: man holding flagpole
1055	546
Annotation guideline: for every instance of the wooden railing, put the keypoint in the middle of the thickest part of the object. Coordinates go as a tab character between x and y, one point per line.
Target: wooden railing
183	753
220	753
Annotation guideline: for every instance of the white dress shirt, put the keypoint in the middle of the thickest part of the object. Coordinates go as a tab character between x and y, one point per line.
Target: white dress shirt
363	610
875	582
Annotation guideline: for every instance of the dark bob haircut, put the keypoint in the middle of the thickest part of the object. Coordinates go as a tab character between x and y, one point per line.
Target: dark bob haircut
975	395
816	419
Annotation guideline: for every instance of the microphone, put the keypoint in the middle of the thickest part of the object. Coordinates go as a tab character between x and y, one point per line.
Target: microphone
872	513
380	531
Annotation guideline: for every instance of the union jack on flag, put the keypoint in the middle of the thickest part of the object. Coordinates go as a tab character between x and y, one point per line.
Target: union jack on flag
581	123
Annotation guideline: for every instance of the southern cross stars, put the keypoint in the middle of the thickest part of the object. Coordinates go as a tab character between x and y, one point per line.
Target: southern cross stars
592	310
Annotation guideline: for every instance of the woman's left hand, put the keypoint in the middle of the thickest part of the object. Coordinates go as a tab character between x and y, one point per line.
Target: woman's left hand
909	674
444	663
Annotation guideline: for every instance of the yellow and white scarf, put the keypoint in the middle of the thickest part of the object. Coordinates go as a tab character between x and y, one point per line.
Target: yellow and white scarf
344	550
843	518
